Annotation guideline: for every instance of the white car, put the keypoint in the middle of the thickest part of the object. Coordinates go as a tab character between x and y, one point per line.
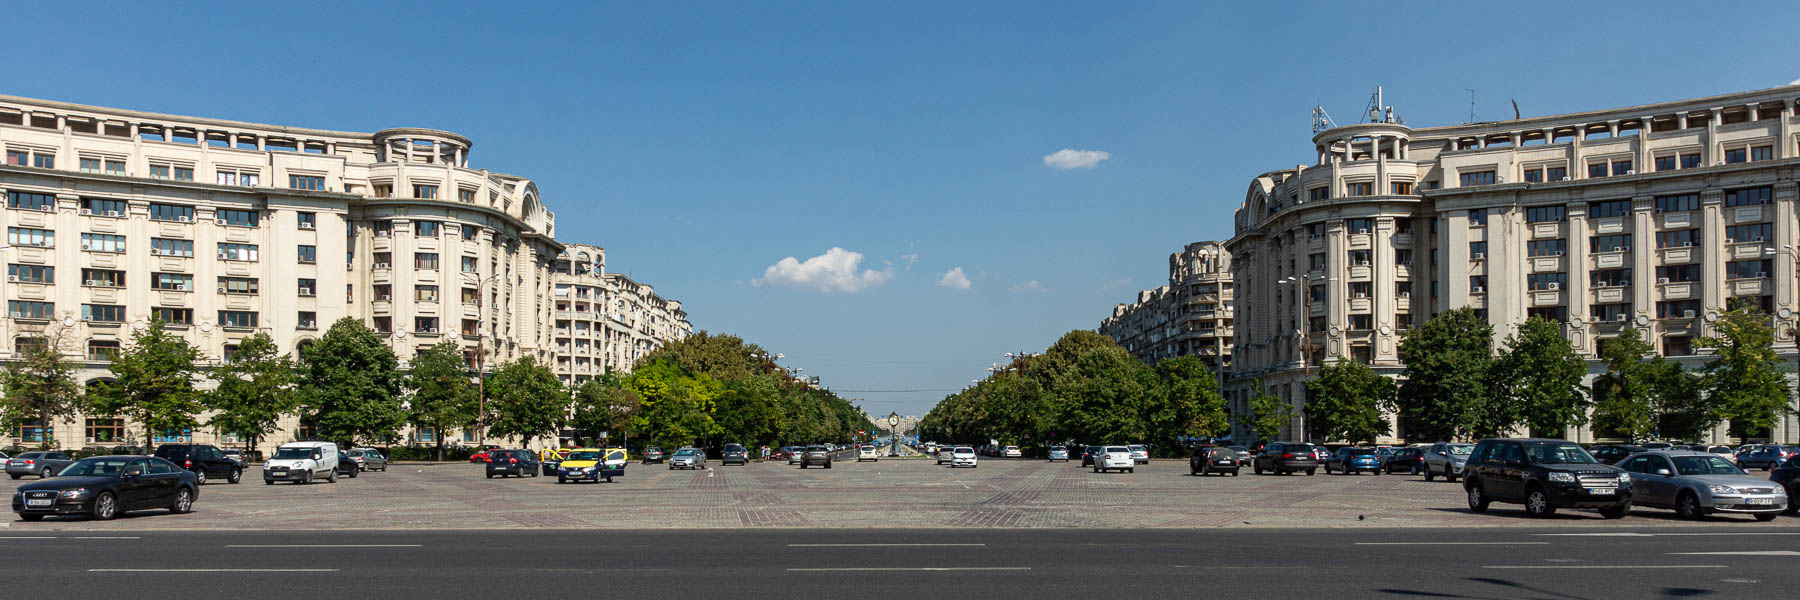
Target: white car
1012	452
868	452
1114	457
1140	454
302	462
962	456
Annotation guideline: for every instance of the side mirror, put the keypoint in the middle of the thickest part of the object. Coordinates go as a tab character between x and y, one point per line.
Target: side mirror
133	473
1663	472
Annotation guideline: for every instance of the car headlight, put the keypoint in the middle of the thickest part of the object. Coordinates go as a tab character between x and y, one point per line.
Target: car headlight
1723	490
74	493
1624	477
1561	477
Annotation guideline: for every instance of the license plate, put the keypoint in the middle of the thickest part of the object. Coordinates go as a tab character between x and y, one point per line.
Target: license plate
1602	491
38	502
1759	501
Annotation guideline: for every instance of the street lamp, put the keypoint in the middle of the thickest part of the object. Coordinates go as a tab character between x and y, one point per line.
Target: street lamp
1304	332
480	354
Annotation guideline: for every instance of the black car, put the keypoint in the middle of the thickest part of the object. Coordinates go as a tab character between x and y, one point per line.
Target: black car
1287	457
1544	475
205	460
1087	455
104	486
1613	453
345	466
1409	460
517	463
734	453
1788	475
1213	459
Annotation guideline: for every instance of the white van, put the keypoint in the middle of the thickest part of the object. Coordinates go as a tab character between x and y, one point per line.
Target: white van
302	462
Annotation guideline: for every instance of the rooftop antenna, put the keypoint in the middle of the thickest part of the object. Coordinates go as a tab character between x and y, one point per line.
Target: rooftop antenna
1321	121
1471	106
1378	111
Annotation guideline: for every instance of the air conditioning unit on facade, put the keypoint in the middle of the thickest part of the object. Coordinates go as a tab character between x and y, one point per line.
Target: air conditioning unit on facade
221	290
1564	178
1662	280
155	251
306	225
384	298
48	208
219	221
87	212
1622	318
91	282
112	213
1478	290
1555	285
1762	275
1687	244
1687	314
12	278
1479	256
185	219
84	246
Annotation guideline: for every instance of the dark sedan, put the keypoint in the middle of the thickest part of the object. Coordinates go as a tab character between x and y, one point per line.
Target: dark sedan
1613	453
1287	457
104	486
1788	475
1210	460
735	453
1408	460
347	466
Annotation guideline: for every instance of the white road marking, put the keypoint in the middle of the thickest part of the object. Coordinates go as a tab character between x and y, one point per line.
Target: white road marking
212	570
324	545
1604	567
1629	534
871	545
78	537
1743	553
912	569
26	537
1452	543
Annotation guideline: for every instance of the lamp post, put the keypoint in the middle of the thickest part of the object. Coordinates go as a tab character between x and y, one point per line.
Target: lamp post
481	357
1306	346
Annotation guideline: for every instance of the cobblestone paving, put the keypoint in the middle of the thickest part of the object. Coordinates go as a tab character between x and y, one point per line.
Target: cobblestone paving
891	493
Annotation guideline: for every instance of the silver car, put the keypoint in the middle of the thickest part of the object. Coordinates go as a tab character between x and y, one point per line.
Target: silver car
369	459
687	458
1696	484
1447	459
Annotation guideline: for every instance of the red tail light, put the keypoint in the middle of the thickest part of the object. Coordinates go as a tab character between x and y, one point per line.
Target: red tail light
187	463
30	462
1288	455
514	461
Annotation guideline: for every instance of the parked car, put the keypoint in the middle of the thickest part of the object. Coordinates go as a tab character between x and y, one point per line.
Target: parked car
688	458
102	487
237	456
1287	457
517	463
654	454
591	464
1087	455
1408	460
1696	484
485	454
868	452
962	456
816	456
1350	460
734	453
1112	458
41	464
301	462
1765	457
794	454
1613	453
1059	453
946	454
1658	445
1447	459
1243	454
1788	476
205	460
1544	475
1213	459
368	459
1713	449
346	466
1012	452
1140	454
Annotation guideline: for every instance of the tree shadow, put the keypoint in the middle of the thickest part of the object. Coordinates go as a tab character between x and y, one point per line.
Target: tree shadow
1513	590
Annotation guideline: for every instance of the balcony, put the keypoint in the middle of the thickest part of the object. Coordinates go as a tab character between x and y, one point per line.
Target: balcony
1678	256
1546	264
1609	225
1610	260
1679	291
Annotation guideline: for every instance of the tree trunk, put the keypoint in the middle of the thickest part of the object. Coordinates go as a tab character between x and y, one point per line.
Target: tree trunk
438	432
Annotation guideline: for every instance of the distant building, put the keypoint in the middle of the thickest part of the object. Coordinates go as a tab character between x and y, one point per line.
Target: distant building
1191	316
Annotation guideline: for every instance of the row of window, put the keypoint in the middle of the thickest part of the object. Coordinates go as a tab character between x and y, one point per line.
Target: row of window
1604	168
113	313
158	212
428	229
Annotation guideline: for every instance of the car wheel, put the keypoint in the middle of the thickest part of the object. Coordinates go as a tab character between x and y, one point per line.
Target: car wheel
1537	503
106	507
490	475
236	476
1259	470
562	480
354	473
305	478
1765	517
1792	506
184	502
1616	512
268	482
1448	475
1687	507
14	476
1478	500
200	476
1130	470
1309	472
1428	475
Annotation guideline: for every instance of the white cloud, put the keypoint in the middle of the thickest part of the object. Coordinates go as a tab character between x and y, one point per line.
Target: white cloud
1069	158
834	271
1794	82
954	279
910	258
1114	284
1028	287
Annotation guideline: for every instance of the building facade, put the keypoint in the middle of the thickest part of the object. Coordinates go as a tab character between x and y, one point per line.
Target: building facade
1653	217
1191	316
224	229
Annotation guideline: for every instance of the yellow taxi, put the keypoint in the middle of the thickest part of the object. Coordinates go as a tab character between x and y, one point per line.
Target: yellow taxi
591	464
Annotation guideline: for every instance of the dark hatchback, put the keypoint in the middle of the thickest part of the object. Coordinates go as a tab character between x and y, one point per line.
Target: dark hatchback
205	460
1287	457
1211	460
1544	475
517	463
1408	460
104	486
734	453
346	466
1613	453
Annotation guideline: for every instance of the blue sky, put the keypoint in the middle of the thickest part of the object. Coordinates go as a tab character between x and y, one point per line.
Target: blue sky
705	142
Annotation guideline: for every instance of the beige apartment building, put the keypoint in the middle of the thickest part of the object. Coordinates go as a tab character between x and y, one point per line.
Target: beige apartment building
224	229
1651	217
1191	316
606	320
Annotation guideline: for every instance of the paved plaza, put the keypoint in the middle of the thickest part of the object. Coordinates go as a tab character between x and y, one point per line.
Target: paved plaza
886	494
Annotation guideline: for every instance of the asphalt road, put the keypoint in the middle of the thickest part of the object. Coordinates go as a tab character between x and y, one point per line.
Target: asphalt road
1558	562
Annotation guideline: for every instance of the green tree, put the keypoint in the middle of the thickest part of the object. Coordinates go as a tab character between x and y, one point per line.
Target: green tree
1445	392
40	386
253	391
1104	396
351	388
1625	396
1344	402
603	405
441	395
1188	402
1682	412
1268	413
153	383
1744	383
525	401
678	408
1541	375
749	411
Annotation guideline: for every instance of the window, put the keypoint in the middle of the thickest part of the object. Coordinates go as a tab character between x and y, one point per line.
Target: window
1534	175
90	165
471	232
1621	167
1753	232
1736	155
470	264
1762	153
1362	323
1678	203
471	327
1477	284
1610	243
1665	163
1609	312
1689	161
159	171
1403	257
1362	188
239	285
307	320
1360	257
1556	174
384	229
1678	345
1609	208
425	228
1547	281
306	182
384	260
30	201
241	177
22	309
237	218
169	247
1596	170
1478	217
1477	178
102	278
1361	289
243	252
1681	309
171	212
1610	278
307	220
384	190
1678	274
106	313
174	282
173	316
384	292
237	318
102	207
1318	194
31	273
1477	250
308	254
1748	269
425	324
98	242
470	296
1545	214
1402	226
1680	238
42	159
1553	314
105	430
383	325
1359	225
425	261
33	431
425	191
1749	196
1402	188
465	195
309	287
38	238
425	293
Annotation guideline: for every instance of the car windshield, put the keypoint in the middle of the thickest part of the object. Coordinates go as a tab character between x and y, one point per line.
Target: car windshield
293	453
1116	449
1299	448
1704	465
1221	453
1557	454
686	452
96	467
1461	449
583	455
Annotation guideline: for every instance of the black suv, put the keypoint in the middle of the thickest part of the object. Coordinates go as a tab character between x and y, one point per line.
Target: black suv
1287	457
1788	475
1544	475
205	460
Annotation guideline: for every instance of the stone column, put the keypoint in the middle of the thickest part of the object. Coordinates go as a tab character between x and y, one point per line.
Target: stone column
1575	265
1712	231
1337	270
